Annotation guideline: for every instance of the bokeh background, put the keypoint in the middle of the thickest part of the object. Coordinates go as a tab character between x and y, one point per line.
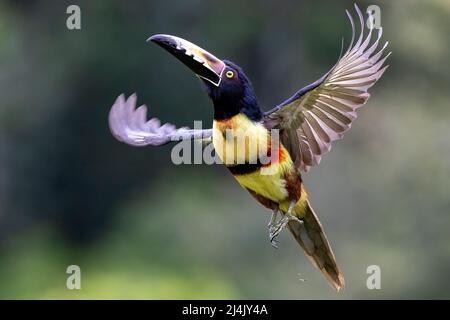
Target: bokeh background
140	227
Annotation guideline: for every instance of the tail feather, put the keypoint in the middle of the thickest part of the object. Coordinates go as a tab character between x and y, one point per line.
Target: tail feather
311	237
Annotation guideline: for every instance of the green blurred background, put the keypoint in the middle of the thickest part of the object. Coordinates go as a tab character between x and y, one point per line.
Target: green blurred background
141	227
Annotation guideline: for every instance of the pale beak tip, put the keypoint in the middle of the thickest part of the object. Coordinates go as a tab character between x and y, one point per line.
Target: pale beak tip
152	38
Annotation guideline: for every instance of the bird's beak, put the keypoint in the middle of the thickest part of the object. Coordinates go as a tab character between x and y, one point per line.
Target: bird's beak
200	61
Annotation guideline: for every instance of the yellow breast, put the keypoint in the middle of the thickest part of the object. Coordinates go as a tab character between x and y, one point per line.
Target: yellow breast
239	140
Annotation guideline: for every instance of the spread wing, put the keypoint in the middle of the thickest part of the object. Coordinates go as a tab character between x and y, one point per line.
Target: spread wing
321	112
130	125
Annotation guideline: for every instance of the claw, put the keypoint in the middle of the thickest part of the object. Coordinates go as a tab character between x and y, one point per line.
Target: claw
273	242
272	225
276	228
279	227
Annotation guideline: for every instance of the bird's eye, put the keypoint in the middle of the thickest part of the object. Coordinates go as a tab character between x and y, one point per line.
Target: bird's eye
229	74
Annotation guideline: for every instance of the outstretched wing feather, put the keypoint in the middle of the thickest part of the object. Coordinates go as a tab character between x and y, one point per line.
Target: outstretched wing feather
129	125
322	112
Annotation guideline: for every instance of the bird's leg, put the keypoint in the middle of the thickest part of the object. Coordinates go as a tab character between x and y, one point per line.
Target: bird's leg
272	226
273	218
280	225
289	213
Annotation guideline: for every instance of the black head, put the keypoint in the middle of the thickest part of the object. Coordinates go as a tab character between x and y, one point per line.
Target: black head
225	82
233	95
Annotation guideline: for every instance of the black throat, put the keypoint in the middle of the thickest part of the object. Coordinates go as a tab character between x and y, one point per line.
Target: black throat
227	111
228	107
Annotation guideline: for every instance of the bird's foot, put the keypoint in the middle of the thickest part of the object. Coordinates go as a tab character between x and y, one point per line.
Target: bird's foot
272	226
279	226
275	228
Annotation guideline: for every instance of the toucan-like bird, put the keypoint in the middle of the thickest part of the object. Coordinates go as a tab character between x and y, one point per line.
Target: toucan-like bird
306	123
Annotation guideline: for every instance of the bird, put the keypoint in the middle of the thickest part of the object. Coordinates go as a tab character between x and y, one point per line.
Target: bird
291	137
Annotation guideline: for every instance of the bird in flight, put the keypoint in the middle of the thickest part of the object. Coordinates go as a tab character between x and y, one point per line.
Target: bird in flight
306	124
